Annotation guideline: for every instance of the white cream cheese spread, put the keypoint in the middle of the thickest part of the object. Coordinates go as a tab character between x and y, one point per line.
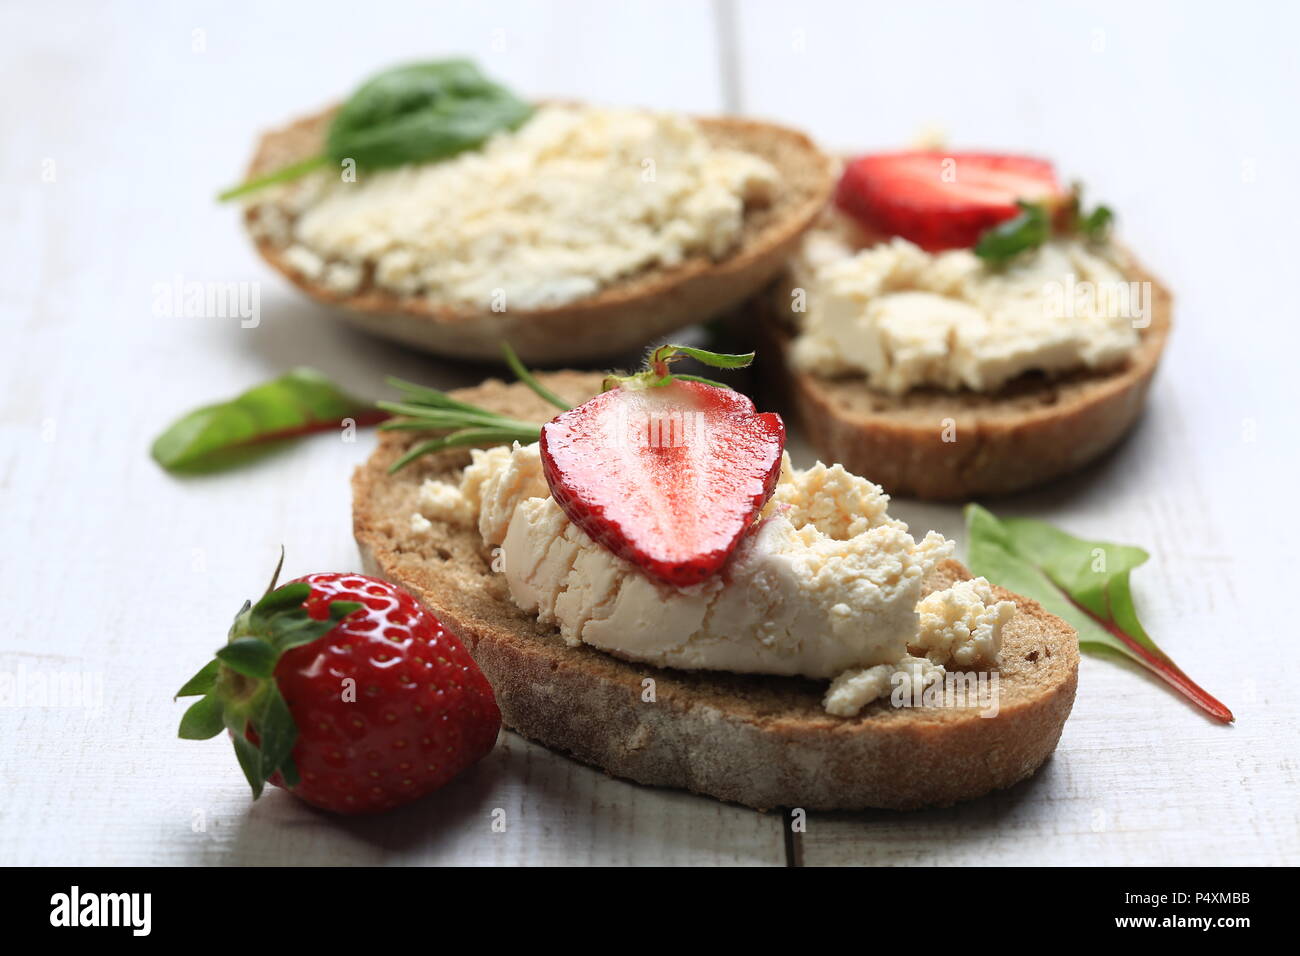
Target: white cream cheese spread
908	318
826	585
573	200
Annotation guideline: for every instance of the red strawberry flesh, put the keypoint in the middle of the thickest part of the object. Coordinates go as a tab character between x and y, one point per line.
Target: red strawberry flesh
668	477
942	200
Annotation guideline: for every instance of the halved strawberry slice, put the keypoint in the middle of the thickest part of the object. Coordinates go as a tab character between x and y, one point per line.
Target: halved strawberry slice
665	471
943	200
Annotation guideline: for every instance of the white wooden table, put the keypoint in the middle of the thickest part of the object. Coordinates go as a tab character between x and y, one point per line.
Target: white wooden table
122	119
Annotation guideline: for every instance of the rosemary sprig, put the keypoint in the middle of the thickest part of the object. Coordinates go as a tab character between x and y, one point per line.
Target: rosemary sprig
530	380
426	409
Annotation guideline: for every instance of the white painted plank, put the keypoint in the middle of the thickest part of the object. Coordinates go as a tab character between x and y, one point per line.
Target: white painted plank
132	575
1173	113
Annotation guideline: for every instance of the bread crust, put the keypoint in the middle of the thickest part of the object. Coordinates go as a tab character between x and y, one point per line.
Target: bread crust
618	319
1030	432
756	740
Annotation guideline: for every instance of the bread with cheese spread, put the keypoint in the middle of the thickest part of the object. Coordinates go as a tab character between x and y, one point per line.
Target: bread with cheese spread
955	445
762	741
620	317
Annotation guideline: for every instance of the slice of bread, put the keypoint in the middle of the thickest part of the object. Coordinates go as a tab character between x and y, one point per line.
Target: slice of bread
756	740
622	317
1034	429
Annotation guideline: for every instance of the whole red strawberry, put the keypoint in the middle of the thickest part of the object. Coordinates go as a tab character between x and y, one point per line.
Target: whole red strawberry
666	471
347	692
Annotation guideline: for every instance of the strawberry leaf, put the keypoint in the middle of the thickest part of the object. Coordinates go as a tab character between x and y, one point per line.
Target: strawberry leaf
239	688
228	433
202	682
295	628
1083	582
202	720
250	761
280	621
276	730
666	353
250	656
287	598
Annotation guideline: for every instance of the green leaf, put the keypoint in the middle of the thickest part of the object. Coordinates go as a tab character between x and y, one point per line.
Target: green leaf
658	367
1086	583
417	113
240	686
1029	230
218	436
238	622
203	719
287	597
250	761
1096	224
202	682
289	770
276	730
250	656
421	112
666	353
290	629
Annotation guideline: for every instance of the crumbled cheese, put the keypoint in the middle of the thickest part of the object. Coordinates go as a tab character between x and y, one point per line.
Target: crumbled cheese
792	601
826	585
495	483
305	262
839	504
854	689
961	625
575	199
343	278
443	501
908	318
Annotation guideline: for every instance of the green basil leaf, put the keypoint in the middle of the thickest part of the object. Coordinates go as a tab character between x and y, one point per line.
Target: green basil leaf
1029	230
1086	583
217	436
203	719
1096	225
421	112
417	113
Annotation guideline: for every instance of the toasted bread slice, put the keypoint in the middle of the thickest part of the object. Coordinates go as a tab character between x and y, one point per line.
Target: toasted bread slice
620	318
756	740
930	443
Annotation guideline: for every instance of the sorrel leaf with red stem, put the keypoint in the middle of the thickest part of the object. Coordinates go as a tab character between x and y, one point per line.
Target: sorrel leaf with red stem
300	402
1084	582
